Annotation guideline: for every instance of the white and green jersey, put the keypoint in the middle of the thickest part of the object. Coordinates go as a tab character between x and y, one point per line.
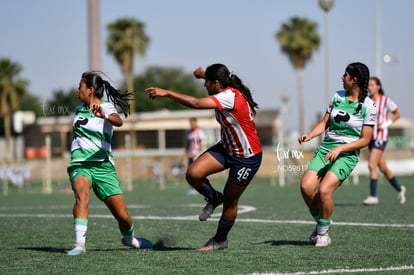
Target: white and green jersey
346	120
92	134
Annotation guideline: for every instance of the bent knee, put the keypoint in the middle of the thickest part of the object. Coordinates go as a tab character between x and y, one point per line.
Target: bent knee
189	176
308	186
193	174
304	186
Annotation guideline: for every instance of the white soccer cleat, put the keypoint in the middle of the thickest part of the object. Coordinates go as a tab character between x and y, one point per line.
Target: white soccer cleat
371	200
323	240
401	195
78	250
137	243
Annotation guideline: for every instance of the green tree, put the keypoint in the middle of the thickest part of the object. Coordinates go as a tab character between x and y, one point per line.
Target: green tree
62	103
32	103
12	90
168	78
126	38
298	39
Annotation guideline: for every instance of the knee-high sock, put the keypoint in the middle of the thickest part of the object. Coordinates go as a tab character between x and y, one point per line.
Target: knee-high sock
315	214
80	229
128	234
128	237
323	226
223	229
208	191
373	183
395	184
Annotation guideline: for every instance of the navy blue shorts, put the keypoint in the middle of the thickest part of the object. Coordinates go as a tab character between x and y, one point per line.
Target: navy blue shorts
242	170
378	144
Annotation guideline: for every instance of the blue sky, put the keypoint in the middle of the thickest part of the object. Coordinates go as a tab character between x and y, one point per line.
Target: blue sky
49	39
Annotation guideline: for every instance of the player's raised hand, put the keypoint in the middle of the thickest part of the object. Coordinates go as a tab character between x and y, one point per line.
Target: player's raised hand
199	73
155	91
98	111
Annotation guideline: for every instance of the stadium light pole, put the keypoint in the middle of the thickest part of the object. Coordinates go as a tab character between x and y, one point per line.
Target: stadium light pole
94	36
283	110
378	44
389	61
326	6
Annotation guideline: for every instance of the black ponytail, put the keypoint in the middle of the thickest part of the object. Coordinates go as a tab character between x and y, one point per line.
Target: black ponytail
361	72
237	83
121	100
220	73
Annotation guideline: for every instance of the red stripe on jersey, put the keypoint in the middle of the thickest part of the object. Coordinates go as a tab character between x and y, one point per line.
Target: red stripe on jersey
380	108
219	106
384	107
232	143
238	130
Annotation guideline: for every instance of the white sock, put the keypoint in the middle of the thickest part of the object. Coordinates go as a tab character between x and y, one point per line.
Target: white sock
322	230
80	234
131	240
135	243
129	237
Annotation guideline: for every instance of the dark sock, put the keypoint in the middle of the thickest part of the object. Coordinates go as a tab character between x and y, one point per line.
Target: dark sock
208	191
224	227
373	187
395	184
315	214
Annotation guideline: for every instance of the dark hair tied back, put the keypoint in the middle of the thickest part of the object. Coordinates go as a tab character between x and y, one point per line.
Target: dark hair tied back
222	74
120	100
361	72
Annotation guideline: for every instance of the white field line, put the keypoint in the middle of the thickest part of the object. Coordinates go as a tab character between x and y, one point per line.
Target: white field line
242	209
40	207
339	271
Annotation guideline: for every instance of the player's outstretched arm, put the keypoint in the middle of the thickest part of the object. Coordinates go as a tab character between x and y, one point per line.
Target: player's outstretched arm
186	100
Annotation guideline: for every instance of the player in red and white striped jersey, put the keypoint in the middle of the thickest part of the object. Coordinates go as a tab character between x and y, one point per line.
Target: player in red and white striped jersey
239	149
385	107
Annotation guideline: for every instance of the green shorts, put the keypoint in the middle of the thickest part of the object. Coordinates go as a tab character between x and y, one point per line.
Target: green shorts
101	175
341	167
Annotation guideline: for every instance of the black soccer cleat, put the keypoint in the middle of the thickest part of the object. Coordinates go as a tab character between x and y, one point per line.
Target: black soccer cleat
208	210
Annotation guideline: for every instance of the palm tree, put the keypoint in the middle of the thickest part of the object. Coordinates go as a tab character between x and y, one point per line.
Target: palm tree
127	37
298	40
12	90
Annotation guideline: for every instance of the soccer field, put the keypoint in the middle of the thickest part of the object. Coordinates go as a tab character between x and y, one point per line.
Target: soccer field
269	237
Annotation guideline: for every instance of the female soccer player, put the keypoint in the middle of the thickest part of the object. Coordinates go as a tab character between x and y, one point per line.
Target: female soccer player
92	164
194	146
385	106
239	149
348	125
